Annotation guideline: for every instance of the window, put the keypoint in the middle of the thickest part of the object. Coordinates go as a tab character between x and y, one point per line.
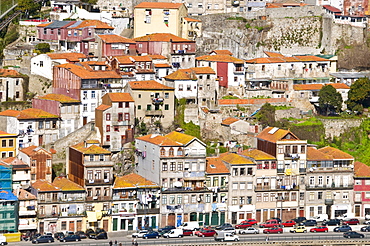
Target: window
234	201
259	197
235	186
242	186
312	196
127	116
172	166
93	95
235	171
273	165
319	195
259	165
301	196
320	180
180	87
188	87
250	171
120	105
208	198
17	94
84	107
180	152
107	128
171	152
107	138
193	198
64	225
279	67
266	165
172	199
116	128
295	149
303	149
120	117
164	166
166	107
163	152
93	107
3	143
179	199
139	107
180	166
294	196
166	95
107	116
148	107
345	195
242	171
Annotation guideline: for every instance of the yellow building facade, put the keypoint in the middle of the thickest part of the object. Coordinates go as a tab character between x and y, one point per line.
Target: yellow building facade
8	144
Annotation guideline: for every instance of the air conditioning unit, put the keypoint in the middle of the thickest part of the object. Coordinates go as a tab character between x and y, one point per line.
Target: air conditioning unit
106	180
91	181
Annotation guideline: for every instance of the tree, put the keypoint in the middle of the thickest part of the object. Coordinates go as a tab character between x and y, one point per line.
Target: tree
329	99
29	7
43	47
359	95
266	115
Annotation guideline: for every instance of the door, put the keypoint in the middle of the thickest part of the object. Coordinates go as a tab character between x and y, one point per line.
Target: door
301	212
193	216
105	225
123	224
233	218
41	140
265	215
214	218
357	210
72	226
115	224
171	220
206	221
154	222
130	224
84	120
41	225
79	225
222	219
272	213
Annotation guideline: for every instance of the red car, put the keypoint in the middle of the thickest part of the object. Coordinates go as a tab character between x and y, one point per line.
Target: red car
351	222
319	229
273	230
187	233
243	225
250	221
289	223
270	223
206	233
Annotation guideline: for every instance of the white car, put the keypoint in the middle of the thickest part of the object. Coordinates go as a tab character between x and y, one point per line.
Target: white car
249	230
139	233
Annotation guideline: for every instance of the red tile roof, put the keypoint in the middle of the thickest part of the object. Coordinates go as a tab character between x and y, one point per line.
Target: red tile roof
9	73
332	9
277	135
181	74
120	97
157	57
67	185
222	102
148	85
74	57
221	52
229	121
91	150
220	58
191	19
257	155
113	38
161	37
30	113
339	86
314	154
10	112
202	70
84	73
159	140
310	87
5	134
278	58
97	24
32	150
273	54
24	195
361	170
43	185
336	153
164	65
235	159
158	5
133	180
103	107
216	166
141	58
59	97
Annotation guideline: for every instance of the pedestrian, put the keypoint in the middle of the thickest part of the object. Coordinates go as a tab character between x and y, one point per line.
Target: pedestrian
267	238
135	242
115	242
110	243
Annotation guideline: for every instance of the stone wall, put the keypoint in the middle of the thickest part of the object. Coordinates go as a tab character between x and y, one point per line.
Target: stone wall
40	85
287	113
335	127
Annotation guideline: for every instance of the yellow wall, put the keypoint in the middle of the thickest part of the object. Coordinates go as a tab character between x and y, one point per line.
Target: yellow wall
13	237
8	148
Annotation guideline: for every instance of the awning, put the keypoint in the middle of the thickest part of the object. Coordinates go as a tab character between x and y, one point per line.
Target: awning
91	216
99	215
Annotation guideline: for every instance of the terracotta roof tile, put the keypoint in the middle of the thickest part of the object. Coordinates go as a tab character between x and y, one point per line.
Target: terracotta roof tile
113	38
158	5
44	24
332	9
148	85
141	58
120	97
339	86
202	70
133	180
161	37
16	163
159	140
43	185
279	58
103	107
314	154
5	134
180	137
59	97
336	153
228	121
257	155
222	52
165	65
361	170
273	54
24	195
215	165
84	73
278	134
220	58
9	73
235	159
181	74
310	58
32	150
10	112
157	57
124	60
75	57
191	19
67	185
307	87
34	113
97	24
91	150
222	102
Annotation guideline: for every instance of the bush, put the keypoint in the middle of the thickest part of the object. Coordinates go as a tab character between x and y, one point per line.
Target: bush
43	48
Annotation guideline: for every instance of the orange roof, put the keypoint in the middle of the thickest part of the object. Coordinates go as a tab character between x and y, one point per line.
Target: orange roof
307	87
161	37
133	180
24	195
75	57
361	169
180	137
162	65
228	121
124	60
314	154
276	134
202	70
91	150
97	24
67	185
113	38
157	57
158	5
32	150
84	73
215	165
141	58
181	74
273	54
222	52
16	163
159	140
336	153
275	57
103	107
250	101
339	85
257	155
148	85
235	159
10	112
43	185
191	19
8	73
220	58
44	24
120	97
30	113
59	97
310	58
5	134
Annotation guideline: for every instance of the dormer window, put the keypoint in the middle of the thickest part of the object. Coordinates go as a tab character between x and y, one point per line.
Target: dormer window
180	152
163	152
171	152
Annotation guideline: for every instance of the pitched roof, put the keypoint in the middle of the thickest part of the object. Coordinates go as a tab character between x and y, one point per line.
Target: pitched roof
103	107
141	58
159	140
97	24
273	54
274	134
120	97
113	38
67	185
133	180
361	169
202	70
91	150
43	185
311	87
180	137
220	58
339	85
228	121
34	113
157	57
158	5
17	164
161	37
181	74
59	97
256	101
336	153
314	154
164	65
32	150
5	134
10	112
73	56
24	195
84	73
257	155
235	159
191	19
148	85
279	58
9	73
332	9
215	165
222	52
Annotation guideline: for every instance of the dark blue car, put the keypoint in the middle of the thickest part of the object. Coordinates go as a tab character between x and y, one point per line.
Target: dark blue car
43	239
343	228
152	234
70	238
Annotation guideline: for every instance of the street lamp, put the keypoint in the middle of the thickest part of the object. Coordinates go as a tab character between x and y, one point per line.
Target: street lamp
281	205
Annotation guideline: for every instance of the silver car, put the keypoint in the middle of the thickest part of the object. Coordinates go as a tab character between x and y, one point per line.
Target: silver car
249	230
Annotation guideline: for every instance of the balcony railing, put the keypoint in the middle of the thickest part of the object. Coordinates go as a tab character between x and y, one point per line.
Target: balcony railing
98	181
98	198
127	197
158	100
302	170
333	187
276	188
185	190
147	211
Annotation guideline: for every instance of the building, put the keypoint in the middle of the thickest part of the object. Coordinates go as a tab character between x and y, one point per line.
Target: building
9	210
135	203
21	173
91	167
115	119
33	126
11	85
27	211
153	102
192	28
39	160
361	189
8	144
114	45
159	17
67	108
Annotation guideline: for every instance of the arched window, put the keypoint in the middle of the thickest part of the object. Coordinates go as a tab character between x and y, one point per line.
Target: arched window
171	152
163	152
180	152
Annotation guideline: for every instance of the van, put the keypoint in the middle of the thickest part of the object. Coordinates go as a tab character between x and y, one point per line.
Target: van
174	233
346	216
320	217
222	237
3	240
192	225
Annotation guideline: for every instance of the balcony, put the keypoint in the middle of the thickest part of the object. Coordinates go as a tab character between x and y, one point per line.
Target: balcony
302	170
98	198
289	156
72	199
67	214
126	197
121	123
158	100
153	113
186	190
276	188
98	182
147	211
330	187
194	175
329	201
48	215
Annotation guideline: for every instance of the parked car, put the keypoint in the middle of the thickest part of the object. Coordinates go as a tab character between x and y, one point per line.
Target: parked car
191	225
310	223
58	235
353	234
206	233
223	226
81	234
365	228
90	233
269	223
43	239
249	230
288	223
343	228
70	238
351	222
139	233
227	229
367	222
243	225
319	229
332	222
320	217
275	218
151	234
299	219
273	230
174	233
224	237
250	221
187	232
299	229
102	235
166	228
